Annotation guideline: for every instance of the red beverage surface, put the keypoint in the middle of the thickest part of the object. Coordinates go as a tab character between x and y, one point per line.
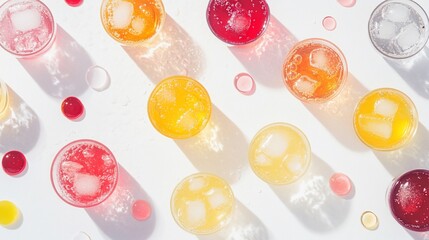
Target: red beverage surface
84	173
340	184
409	200
14	163
74	3
72	108
238	21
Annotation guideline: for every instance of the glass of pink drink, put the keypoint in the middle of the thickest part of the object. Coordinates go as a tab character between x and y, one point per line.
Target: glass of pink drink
27	27
84	173
238	22
408	199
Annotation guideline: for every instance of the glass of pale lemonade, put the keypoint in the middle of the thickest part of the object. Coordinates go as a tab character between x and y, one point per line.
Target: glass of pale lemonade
315	70
398	28
279	153
27	27
132	22
84	173
202	203
4	98
179	107
385	119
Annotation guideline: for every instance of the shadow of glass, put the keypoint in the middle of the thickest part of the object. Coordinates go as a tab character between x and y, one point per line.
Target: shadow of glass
17	224
418	235
114	216
311	200
244	225
337	114
60	71
413	156
171	52
414	71
264	58
19	127
221	148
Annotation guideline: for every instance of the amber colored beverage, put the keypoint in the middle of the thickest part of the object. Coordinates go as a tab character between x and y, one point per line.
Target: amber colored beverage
315	70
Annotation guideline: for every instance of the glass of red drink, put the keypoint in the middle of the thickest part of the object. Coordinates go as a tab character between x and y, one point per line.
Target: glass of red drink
238	22
408	198
84	173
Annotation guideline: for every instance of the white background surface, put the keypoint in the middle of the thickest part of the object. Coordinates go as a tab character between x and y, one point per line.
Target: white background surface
152	164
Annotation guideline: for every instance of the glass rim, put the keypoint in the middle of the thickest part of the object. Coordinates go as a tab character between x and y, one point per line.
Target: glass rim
333	47
414	5
175	136
303	137
232	43
104	19
47	44
218	227
54	180
4	92
412	109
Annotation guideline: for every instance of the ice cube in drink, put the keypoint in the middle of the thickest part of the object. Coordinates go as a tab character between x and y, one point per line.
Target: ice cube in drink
202	203
279	153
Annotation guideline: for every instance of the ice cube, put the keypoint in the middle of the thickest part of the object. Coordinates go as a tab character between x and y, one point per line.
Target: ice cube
293	163
239	23
386	30
274	145
262	160
409	37
122	14
385	107
306	86
188	120
396	12
70	168
217	198
375	125
196	213
86	184
138	25
26	20
319	58
197	184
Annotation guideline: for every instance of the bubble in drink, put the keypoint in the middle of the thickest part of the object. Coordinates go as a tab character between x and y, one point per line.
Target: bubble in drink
409	200
398	28
179	107
314	70
385	119
131	22
279	153
238	21
202	203
9	213
81	176
28	27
